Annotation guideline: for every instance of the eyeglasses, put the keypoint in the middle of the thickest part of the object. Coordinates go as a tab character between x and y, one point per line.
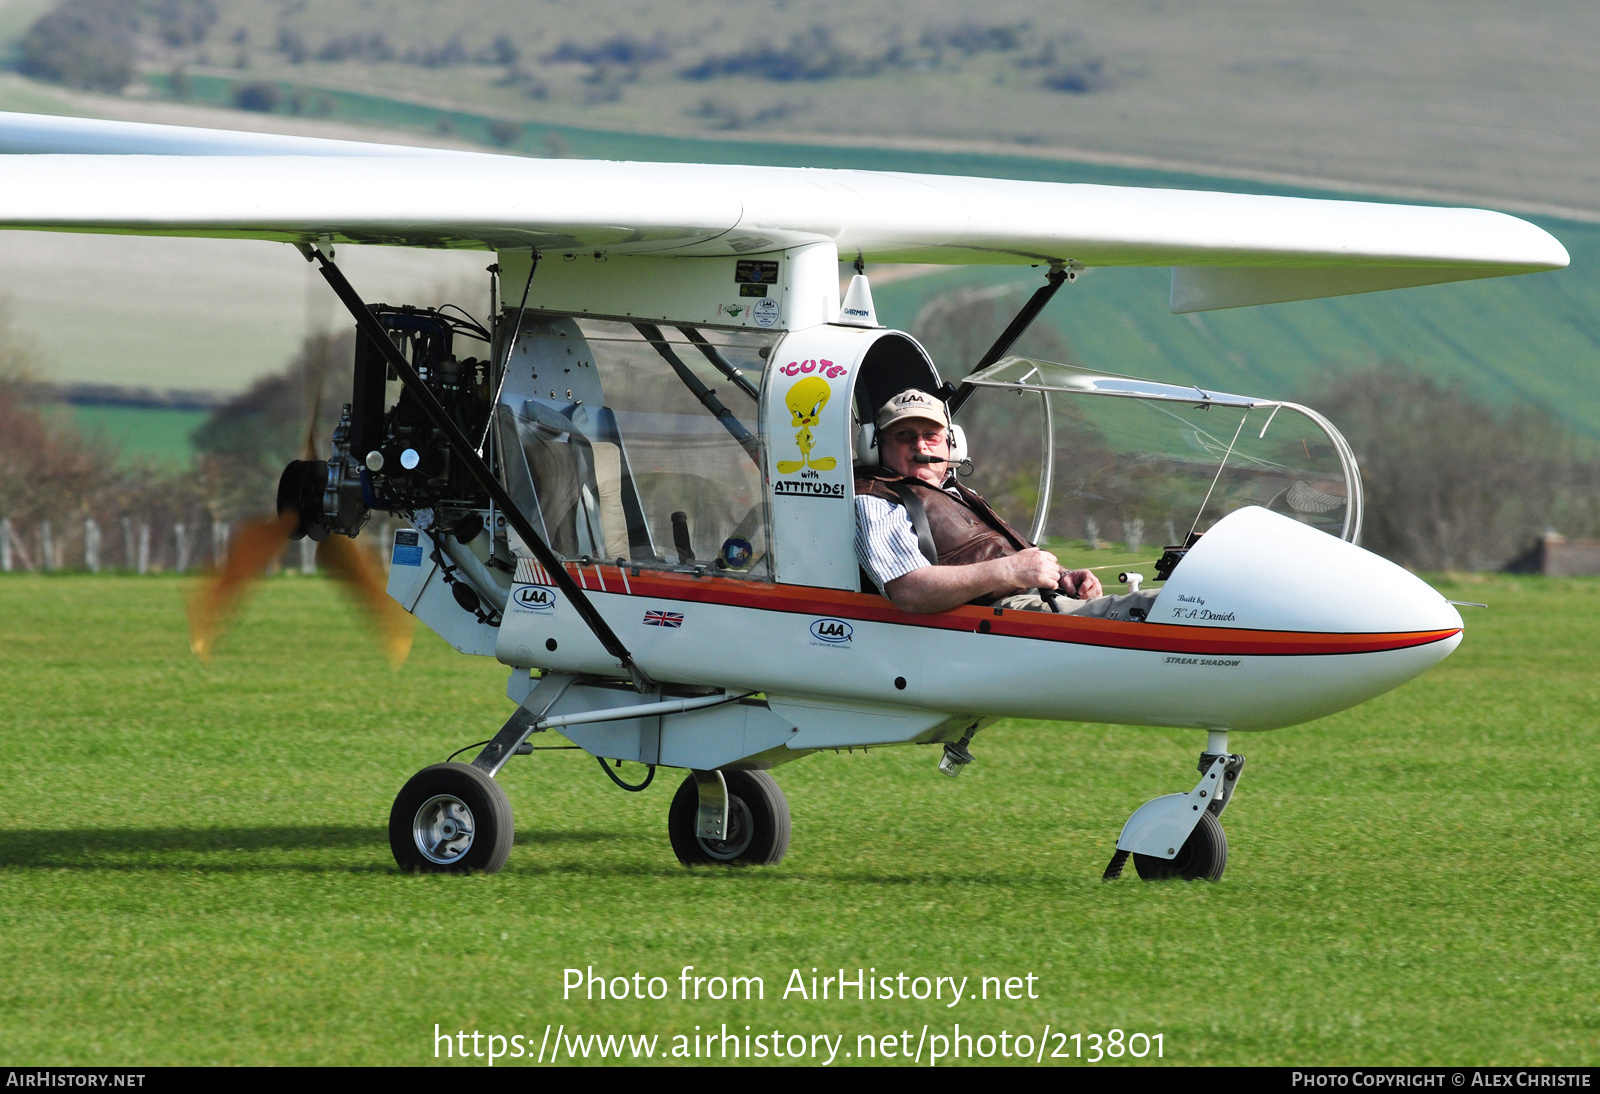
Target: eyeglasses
911	436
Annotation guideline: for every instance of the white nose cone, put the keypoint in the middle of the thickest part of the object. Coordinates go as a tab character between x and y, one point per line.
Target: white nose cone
857	309
1263	571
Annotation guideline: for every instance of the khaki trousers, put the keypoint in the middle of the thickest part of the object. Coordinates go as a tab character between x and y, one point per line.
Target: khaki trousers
1101	607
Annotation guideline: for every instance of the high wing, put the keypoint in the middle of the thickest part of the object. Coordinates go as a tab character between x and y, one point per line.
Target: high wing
1226	250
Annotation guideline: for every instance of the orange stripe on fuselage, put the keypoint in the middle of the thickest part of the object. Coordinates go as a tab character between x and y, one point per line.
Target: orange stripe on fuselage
1152	637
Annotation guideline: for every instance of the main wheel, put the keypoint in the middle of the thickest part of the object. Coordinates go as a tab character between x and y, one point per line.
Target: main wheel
451	819
758	823
1201	858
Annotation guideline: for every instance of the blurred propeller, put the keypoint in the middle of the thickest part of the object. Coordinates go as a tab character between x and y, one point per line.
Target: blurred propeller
255	546
250	552
357	569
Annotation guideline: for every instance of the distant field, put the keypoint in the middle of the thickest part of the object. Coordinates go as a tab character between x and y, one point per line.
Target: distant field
193	867
158	434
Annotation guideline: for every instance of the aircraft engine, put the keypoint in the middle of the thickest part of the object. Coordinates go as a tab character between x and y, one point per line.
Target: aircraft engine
395	459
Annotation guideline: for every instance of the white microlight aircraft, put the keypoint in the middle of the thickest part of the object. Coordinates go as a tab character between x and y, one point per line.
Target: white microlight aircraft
672	580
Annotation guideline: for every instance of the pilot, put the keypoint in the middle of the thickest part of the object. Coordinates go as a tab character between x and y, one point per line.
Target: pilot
980	558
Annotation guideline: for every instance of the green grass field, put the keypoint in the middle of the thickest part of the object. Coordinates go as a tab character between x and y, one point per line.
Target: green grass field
194	868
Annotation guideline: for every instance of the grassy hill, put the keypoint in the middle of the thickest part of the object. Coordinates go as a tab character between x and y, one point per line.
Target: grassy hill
1523	340
1526	340
1468	97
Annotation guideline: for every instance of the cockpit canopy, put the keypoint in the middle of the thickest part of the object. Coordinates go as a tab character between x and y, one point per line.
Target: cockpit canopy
611	446
730	451
1132	461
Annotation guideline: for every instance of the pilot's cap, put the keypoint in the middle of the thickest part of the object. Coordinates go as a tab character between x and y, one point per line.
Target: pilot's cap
912	403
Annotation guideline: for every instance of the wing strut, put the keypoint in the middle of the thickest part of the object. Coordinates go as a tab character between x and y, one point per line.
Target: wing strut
369	326
719	362
1059	275
707	397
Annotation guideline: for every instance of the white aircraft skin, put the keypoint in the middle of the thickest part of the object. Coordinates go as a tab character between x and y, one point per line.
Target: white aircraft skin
1291	666
1265	622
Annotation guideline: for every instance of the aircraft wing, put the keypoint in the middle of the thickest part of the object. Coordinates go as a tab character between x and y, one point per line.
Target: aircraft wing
1226	250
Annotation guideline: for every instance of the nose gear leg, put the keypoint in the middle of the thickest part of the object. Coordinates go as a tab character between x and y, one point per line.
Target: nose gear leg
1180	835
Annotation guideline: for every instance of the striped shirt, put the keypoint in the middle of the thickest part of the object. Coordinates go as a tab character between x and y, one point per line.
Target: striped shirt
886	541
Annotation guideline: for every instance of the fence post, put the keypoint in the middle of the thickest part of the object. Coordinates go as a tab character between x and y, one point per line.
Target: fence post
219	543
130	553
144	547
180	538
47	547
1091	534
5	545
91	545
1134	532
308	556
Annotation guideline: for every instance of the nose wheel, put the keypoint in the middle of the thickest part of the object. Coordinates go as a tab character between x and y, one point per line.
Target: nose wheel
1201	858
1180	836
451	819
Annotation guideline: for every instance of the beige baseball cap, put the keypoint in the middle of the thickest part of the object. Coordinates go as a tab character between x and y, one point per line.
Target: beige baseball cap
912	403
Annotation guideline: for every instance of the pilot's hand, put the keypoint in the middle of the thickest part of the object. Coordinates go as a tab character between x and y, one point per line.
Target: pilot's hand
1081	584
1032	569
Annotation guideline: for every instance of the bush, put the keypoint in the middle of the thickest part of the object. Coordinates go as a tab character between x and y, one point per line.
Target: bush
260	96
504	133
244	444
83	43
810	56
93	44
1079	79
1450	484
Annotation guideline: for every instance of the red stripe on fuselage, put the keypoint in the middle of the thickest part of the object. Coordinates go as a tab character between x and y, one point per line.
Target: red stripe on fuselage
1152	637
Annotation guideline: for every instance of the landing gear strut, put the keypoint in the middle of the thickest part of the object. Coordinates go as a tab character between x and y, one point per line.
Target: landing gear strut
1180	835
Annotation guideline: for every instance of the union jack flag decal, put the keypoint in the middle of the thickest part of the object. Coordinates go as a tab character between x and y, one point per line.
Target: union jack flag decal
663	619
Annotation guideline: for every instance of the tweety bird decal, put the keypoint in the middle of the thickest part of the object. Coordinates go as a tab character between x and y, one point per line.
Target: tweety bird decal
805	401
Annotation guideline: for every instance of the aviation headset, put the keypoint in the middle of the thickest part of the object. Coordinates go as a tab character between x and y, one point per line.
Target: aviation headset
868	453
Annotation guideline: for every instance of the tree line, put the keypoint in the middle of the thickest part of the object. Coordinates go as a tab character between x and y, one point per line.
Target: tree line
1449	481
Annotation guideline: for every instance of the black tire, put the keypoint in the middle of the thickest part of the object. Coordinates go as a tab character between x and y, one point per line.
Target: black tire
451	819
758	823
1202	857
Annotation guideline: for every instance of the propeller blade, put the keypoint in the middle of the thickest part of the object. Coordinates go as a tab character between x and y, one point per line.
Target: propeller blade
361	575
253	548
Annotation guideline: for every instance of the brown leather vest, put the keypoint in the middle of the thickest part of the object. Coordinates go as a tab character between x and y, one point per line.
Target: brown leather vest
964	531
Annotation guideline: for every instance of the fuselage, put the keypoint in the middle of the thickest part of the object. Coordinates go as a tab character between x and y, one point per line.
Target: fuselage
1266	623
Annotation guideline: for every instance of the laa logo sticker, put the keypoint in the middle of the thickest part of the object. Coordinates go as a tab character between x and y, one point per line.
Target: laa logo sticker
831	632
535	598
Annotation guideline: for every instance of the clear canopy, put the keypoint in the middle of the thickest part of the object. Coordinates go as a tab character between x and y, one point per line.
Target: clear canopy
637	442
1074	454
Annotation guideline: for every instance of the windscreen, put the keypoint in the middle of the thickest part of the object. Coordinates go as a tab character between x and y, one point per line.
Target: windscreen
638	442
1134	474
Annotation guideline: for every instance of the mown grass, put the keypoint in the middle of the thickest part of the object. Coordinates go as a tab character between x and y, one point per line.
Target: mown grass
194	869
